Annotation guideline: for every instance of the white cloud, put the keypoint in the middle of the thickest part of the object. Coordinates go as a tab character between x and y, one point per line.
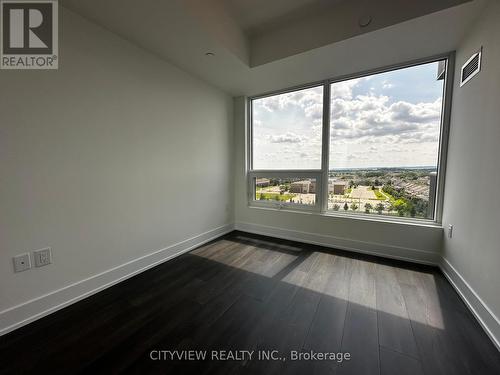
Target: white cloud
286	138
387	85
416	113
343	90
288	128
307	100
368	118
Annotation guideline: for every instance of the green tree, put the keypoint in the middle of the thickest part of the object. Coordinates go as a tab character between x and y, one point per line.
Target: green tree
336	207
379	208
354	206
390	208
368	207
400	206
413	210
346	206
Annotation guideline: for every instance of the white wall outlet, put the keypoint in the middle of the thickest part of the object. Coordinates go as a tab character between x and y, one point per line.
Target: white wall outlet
450	231
42	257
22	262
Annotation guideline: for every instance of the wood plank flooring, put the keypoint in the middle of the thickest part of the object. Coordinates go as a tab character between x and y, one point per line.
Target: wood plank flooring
253	293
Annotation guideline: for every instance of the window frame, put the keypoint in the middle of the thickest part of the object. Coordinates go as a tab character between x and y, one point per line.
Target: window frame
322	175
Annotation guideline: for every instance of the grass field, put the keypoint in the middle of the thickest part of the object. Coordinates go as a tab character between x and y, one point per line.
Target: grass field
273	197
379	195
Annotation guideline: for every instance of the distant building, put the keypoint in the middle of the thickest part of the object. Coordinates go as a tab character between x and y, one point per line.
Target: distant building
337	187
300	187
312	187
262	182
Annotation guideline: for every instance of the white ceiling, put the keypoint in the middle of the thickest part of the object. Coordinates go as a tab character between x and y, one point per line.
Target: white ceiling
253	16
182	31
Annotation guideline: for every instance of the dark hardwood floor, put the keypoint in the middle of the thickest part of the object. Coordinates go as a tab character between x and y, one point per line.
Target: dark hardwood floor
245	292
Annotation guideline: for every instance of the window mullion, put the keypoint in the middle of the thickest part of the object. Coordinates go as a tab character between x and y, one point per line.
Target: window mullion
325	148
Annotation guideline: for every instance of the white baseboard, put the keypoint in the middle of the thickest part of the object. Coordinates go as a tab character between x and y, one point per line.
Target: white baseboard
27	312
349	244
39	307
483	314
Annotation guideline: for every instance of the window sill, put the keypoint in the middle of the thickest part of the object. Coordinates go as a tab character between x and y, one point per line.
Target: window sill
360	216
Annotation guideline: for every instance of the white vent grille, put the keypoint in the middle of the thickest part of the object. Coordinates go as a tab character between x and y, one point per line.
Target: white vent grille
470	68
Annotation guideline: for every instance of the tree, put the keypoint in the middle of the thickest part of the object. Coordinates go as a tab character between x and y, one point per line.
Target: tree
368	207
346	206
262	197
413	210
380	208
336	207
354	206
400	206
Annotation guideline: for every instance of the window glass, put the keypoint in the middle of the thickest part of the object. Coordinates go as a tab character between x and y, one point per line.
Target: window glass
286	130
291	191
384	142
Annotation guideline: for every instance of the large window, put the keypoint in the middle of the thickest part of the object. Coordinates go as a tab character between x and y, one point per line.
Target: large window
370	145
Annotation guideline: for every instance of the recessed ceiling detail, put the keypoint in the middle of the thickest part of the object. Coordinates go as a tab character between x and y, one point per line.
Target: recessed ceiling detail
263	45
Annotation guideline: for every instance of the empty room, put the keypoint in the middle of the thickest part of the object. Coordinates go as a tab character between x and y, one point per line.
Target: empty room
250	187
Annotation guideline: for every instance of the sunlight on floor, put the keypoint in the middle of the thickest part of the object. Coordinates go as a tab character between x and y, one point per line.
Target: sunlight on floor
261	261
412	295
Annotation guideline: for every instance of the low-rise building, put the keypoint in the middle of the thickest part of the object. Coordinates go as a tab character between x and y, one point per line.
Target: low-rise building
262	182
337	187
312	187
300	187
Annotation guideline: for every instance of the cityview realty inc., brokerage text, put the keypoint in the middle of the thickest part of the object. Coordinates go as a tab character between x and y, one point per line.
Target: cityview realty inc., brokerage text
247	355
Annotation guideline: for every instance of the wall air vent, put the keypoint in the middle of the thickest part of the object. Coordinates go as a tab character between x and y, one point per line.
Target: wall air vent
471	68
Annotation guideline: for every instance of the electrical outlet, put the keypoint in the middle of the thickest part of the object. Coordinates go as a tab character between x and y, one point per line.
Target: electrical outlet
22	262
42	257
450	231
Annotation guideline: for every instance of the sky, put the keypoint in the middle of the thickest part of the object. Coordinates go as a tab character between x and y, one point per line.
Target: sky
385	120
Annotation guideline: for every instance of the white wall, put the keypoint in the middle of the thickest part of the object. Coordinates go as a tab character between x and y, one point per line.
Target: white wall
419	243
115	155
473	175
